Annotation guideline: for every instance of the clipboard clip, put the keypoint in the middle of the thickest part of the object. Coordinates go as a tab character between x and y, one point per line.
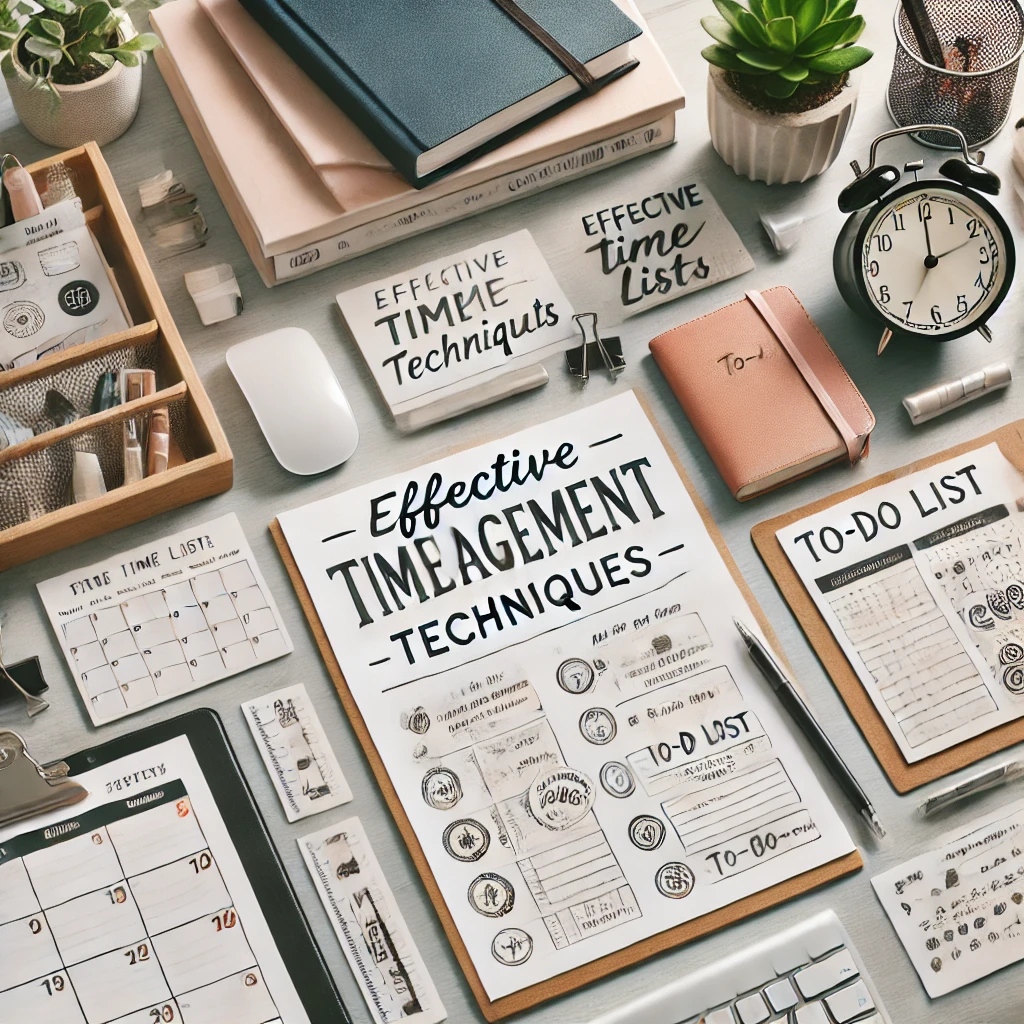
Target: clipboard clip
28	788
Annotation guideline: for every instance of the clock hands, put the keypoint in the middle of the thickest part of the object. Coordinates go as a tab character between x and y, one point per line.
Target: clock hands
931	260
954	249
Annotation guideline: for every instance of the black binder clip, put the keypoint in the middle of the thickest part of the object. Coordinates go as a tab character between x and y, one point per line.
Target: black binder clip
26	678
609	349
28	788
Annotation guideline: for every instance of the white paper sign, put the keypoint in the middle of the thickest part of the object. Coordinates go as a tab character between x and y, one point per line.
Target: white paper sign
538	633
165	618
296	752
458	322
54	288
922	583
369	925
957	909
654	247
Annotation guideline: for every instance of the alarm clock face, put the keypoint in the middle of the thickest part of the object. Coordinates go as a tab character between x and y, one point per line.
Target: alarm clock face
935	260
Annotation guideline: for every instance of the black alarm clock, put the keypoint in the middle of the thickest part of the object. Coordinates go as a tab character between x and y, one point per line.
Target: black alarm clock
931	258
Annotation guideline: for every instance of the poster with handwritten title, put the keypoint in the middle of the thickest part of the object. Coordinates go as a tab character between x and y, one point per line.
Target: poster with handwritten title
658	245
538	635
459	323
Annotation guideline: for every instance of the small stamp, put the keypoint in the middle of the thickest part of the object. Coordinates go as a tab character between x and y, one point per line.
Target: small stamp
598	726
491	895
23	319
466	840
12	275
674	880
78	298
417	721
512	947
646	832
617	780
441	789
560	798
575	675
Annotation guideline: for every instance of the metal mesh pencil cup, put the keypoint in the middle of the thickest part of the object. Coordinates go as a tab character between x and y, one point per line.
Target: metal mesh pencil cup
983	41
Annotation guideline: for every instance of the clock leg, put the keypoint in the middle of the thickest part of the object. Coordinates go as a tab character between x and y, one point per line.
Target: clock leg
985	332
883	343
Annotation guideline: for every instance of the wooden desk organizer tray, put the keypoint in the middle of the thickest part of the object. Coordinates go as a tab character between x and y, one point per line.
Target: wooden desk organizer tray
35	474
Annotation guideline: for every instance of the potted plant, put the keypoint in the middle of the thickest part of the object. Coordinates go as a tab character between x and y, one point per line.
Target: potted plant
780	96
73	67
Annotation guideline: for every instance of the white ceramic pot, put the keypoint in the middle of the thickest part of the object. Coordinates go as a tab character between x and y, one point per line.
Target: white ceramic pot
97	111
776	148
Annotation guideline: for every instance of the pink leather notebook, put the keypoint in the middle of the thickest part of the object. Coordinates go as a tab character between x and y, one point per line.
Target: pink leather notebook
764	392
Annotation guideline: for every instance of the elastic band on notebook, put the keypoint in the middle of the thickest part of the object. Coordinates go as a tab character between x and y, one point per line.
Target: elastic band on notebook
855	443
576	68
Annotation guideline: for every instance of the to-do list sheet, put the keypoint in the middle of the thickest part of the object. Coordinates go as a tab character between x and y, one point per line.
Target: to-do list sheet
921	581
165	618
136	908
538	634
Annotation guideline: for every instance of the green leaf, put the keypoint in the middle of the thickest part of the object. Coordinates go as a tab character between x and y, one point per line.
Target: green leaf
809	17
757	10
53	29
723	58
130	58
782	33
840	9
60	6
105	59
838	62
780	88
763	59
722	32
795	71
831	35
93	16
774	9
42	47
743	21
143	42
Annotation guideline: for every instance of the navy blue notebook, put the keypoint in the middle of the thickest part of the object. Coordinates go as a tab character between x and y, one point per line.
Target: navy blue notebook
434	83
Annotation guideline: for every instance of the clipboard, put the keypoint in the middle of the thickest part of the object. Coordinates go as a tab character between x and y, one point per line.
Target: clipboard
497	1009
903	776
28	788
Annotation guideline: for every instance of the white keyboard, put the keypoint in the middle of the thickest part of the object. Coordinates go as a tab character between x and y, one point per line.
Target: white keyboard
810	974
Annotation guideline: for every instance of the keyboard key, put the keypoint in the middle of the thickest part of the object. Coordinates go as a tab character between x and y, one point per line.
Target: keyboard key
781	995
826	974
722	1016
752	1010
825	940
850	1002
812	1013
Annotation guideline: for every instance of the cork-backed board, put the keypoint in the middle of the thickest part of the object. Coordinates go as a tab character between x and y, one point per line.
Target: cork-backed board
902	775
498	1009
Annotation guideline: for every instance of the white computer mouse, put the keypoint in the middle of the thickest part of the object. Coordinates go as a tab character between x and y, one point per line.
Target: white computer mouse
296	399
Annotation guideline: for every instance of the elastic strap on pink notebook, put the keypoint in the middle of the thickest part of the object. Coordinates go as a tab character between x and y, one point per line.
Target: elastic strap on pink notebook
855	443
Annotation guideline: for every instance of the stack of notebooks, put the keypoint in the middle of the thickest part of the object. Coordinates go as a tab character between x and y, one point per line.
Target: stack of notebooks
306	187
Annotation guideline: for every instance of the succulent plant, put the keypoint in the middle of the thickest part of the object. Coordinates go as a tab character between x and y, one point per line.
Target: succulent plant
782	46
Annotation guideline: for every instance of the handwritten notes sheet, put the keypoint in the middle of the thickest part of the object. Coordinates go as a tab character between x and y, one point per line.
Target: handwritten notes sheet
164	619
538	634
655	246
957	909
459	322
922	583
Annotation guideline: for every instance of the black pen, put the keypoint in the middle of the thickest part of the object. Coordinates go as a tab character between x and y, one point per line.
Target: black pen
801	714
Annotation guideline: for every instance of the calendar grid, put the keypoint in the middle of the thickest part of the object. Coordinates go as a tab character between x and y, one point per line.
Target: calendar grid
151	861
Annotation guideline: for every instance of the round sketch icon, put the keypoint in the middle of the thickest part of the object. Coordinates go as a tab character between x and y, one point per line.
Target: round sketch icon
598	726
23	319
491	895
575	675
646	832
617	780
512	947
441	789
674	880
466	840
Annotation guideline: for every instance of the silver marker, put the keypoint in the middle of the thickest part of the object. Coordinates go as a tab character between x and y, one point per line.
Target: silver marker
990	778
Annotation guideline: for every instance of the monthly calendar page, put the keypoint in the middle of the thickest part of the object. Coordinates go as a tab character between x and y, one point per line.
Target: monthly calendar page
165	618
136	909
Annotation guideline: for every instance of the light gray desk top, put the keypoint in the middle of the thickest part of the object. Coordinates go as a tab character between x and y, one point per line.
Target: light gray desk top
262	489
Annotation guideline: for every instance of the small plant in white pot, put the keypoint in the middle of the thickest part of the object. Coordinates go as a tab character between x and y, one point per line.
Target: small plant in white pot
780	98
74	67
